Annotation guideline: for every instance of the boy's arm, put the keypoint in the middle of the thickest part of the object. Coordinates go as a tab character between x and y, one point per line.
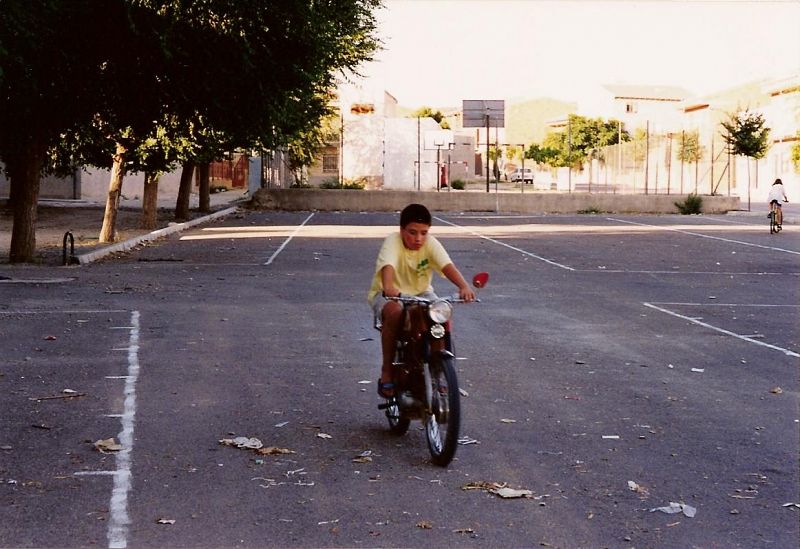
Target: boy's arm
387	281
465	292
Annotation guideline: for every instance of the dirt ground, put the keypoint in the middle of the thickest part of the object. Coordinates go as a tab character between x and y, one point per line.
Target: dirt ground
84	222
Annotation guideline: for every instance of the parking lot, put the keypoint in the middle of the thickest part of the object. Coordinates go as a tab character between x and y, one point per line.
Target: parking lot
616	364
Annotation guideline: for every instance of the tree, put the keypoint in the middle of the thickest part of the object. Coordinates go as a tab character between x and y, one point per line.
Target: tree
796	154
747	135
427	112
48	84
139	61
577	142
690	150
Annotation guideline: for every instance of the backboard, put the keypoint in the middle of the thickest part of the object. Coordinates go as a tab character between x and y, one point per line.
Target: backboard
474	113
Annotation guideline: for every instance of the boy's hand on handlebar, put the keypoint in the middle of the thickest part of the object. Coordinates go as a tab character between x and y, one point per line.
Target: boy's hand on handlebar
466	293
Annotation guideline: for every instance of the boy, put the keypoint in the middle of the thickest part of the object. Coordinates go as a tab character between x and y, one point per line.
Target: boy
405	264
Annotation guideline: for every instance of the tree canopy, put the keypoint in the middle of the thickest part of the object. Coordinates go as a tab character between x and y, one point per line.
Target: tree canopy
250	74
746	134
576	143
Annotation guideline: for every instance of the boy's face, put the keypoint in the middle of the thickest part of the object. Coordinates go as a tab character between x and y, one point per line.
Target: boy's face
414	235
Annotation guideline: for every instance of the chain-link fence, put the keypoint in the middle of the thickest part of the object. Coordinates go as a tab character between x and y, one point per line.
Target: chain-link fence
671	163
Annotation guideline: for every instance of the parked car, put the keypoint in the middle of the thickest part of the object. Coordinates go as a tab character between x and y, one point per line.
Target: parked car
522	174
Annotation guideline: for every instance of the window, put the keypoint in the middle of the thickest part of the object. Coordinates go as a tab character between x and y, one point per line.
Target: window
330	163
630	107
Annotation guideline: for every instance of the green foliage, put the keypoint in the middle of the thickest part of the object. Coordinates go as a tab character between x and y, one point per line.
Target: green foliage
689	148
590	211
427	112
357	184
580	141
458	184
796	154
692	205
746	134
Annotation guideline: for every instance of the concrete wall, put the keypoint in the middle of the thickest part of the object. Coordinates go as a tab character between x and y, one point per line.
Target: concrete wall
331	200
94	185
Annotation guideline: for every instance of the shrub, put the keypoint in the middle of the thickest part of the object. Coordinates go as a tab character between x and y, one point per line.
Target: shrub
592	210
351	184
458	184
692	205
300	185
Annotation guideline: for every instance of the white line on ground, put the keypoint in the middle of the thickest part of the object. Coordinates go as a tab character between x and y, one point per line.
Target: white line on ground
530	254
705	236
721	330
679	272
285	242
725	304
74	312
94	473
118	508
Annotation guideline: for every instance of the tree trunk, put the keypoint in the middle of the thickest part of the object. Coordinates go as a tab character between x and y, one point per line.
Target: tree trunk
205	198
108	231
184	191
150	201
24	172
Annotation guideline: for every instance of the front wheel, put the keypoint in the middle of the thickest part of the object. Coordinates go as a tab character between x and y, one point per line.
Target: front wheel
443	421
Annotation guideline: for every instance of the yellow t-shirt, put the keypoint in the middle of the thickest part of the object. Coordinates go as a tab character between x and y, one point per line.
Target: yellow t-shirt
413	268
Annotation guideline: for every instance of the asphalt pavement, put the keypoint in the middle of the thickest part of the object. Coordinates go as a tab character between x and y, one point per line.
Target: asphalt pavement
616	365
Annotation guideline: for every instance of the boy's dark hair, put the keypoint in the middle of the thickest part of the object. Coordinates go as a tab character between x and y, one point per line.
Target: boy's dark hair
778	182
415	213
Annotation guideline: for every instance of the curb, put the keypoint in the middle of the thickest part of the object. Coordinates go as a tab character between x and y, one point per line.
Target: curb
126	245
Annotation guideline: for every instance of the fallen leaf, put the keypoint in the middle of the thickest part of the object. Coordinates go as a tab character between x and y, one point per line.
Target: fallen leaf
425	525
467	440
505	420
776	391
273	451
673	508
249	443
107	445
463	393
165	521
464	531
510	493
362	459
49	338
323	435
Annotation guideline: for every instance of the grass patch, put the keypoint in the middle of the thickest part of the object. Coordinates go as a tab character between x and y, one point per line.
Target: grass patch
691	206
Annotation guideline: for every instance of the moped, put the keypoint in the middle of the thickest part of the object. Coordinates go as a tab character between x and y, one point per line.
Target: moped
426	385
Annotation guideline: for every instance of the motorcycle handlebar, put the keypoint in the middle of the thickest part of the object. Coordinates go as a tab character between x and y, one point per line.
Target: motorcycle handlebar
405	298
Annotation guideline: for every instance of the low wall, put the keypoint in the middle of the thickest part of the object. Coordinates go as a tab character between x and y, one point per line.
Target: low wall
460	201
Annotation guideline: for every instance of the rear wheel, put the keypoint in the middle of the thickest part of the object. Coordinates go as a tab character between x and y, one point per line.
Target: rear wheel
442	425
773	221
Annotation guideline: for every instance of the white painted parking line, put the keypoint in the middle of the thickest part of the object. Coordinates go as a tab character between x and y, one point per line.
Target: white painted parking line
662	228
524	252
94	473
748	339
66	312
285	242
725	304
118	508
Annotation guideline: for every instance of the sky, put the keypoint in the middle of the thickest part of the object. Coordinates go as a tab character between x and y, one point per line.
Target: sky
439	52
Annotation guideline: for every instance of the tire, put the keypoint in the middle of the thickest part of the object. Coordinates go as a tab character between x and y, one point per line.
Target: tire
773	225
443	425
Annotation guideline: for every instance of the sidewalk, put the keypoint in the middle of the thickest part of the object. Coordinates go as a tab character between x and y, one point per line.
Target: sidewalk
84	219
791	212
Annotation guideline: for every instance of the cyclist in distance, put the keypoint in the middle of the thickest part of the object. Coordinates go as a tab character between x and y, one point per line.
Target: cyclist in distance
776	194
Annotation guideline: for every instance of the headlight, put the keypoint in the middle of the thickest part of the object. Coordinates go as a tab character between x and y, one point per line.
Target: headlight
440	311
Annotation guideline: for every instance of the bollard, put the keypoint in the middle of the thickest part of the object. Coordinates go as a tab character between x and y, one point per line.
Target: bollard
71	260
